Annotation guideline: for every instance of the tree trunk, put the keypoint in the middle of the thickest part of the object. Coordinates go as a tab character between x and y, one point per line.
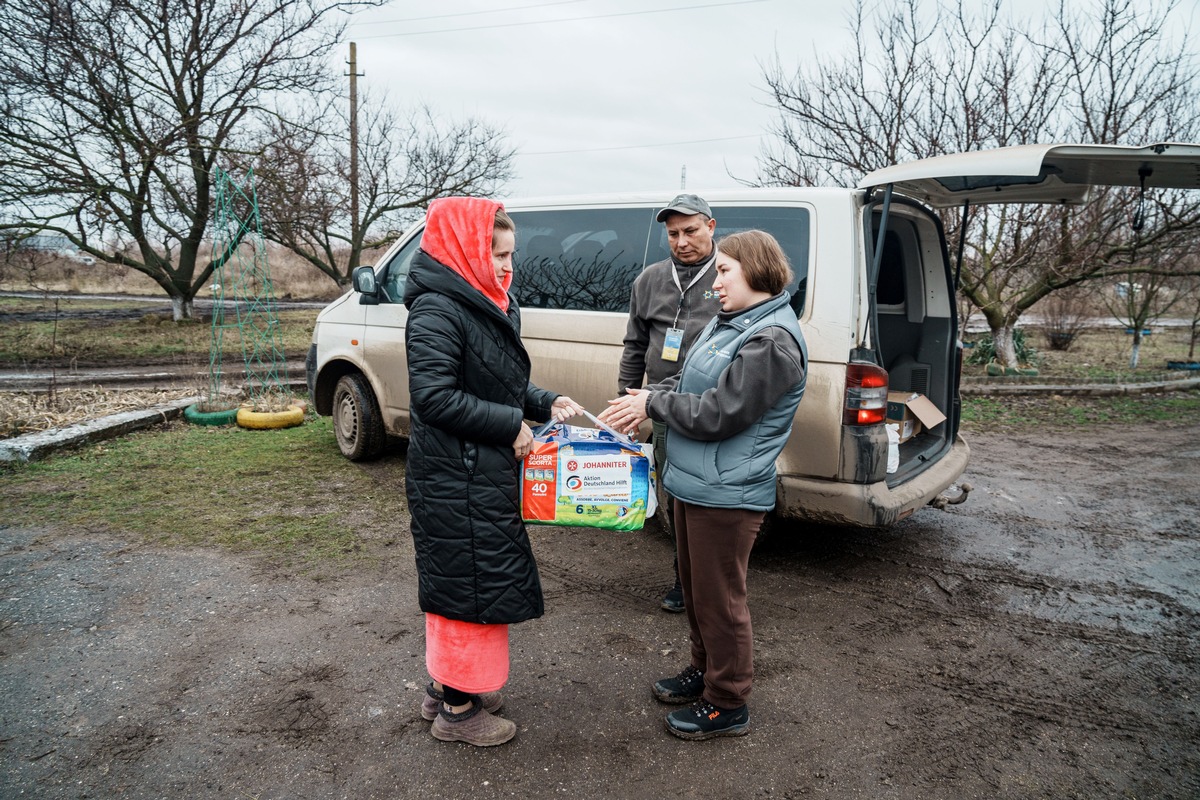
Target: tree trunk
182	308
1137	347
1005	348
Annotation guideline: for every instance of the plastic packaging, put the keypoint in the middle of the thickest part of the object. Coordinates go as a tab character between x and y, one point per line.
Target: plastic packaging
588	477
893	434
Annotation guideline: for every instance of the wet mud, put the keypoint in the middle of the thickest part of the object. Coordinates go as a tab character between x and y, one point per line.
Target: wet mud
1039	640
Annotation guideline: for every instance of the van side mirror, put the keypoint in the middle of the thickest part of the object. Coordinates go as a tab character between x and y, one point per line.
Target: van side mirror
363	279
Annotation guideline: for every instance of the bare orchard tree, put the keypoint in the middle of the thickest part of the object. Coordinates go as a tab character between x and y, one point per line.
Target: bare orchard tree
928	81
1189	290
118	111
918	83
842	119
405	161
1141	300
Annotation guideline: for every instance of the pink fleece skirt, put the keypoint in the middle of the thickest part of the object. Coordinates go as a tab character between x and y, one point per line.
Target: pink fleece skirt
469	656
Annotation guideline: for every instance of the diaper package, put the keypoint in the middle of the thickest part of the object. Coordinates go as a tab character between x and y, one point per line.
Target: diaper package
588	477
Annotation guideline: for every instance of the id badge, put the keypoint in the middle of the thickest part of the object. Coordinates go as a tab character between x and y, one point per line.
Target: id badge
672	343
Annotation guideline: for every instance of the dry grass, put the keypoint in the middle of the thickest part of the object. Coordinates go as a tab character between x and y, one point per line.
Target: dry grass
27	412
32	412
1102	354
293	278
71	334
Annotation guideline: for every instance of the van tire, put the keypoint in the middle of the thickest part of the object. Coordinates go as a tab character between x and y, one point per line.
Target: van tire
357	423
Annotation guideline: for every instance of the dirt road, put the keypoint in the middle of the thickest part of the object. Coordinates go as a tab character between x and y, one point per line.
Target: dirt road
1038	641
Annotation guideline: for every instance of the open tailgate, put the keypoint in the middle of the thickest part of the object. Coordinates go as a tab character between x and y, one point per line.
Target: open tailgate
1040	173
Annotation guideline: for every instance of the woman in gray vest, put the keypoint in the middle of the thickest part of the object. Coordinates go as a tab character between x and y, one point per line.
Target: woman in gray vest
728	413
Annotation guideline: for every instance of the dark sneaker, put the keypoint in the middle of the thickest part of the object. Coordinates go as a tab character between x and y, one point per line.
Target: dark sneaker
703	720
686	687
492	702
473	726
673	600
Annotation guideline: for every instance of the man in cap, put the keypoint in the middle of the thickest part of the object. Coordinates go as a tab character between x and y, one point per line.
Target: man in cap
669	305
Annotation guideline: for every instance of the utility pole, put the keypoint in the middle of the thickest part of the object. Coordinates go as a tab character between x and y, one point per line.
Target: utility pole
683	177
354	73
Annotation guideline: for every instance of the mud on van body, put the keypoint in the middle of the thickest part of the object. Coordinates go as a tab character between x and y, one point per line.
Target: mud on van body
874	294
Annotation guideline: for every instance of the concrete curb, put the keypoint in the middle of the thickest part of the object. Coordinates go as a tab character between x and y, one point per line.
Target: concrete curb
35	446
1079	389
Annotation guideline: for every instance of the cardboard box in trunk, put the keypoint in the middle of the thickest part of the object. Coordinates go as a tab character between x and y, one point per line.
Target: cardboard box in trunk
912	412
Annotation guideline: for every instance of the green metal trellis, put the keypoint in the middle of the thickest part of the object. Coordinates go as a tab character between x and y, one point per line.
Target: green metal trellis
243	295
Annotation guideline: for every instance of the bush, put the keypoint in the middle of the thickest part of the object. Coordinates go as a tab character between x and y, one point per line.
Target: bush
984	351
1066	313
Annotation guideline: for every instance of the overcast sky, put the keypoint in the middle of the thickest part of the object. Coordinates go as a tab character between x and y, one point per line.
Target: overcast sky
598	95
604	95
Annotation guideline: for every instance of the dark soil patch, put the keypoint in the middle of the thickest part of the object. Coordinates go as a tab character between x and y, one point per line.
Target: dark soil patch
1039	640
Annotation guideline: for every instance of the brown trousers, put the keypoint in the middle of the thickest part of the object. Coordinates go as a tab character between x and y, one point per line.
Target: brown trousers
714	553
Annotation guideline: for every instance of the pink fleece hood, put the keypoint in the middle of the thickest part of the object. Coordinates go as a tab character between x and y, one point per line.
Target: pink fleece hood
458	234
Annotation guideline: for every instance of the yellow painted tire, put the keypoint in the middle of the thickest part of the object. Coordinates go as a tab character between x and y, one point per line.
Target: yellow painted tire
247	417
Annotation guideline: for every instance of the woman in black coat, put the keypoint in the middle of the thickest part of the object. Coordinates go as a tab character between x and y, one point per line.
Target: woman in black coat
470	396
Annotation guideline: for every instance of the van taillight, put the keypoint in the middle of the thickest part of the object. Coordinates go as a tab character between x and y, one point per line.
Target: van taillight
866	395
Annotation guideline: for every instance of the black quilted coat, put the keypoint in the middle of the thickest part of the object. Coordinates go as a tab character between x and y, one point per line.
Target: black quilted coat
468	377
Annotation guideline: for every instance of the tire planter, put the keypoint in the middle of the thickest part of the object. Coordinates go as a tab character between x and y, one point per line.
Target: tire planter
247	417
194	415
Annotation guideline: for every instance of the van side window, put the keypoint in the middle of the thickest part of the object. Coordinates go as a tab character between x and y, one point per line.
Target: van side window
396	270
911	342
899	289
789	226
889	290
581	259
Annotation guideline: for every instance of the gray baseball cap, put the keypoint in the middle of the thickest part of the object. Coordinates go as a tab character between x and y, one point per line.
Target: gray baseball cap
686	204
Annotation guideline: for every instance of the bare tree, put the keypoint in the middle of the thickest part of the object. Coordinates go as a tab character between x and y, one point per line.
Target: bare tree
839	119
1138	301
117	112
962	81
404	163
1189	290
595	281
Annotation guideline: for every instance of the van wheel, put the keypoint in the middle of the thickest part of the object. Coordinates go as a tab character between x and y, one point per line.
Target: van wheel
357	423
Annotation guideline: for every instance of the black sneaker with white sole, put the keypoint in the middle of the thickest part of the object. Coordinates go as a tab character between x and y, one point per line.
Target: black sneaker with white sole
703	720
673	600
686	687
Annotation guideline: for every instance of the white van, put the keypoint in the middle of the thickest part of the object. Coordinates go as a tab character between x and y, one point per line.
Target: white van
874	295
